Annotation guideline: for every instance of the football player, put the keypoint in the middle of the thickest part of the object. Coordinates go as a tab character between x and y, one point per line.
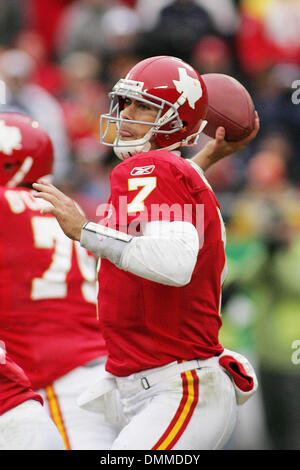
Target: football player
24	423
48	318
162	244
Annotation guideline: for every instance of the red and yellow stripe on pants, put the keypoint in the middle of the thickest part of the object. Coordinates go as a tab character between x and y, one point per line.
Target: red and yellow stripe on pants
56	414
190	383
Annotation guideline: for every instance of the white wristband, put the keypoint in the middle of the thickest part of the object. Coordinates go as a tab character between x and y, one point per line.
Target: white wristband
103	241
106	231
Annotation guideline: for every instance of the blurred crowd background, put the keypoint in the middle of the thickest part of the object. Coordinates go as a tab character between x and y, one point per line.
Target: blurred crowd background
60	58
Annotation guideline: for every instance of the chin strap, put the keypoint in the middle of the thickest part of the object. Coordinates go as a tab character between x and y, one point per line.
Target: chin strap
126	151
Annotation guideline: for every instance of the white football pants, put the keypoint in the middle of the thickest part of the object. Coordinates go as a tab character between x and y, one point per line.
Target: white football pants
194	410
80	429
28	427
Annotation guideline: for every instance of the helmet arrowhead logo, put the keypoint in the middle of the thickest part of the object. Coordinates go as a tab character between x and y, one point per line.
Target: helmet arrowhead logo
10	138
189	87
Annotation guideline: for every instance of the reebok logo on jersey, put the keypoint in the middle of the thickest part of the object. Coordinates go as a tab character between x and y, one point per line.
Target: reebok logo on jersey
10	138
142	170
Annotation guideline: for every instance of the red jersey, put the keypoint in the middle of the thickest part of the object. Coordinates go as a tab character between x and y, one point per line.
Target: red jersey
15	387
147	324
48	317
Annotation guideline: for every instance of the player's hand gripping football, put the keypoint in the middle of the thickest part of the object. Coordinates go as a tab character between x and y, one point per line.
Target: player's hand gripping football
68	214
218	148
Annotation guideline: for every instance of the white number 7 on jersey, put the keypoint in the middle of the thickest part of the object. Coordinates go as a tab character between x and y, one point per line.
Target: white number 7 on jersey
148	183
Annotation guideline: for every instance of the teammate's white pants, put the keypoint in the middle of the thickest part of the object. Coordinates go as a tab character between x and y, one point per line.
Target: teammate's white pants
81	429
194	410
28	427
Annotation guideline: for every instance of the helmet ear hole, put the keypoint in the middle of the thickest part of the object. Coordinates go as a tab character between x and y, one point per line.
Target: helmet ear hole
8	166
174	125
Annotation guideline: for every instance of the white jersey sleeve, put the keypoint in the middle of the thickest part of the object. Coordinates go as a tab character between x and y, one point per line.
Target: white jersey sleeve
166	253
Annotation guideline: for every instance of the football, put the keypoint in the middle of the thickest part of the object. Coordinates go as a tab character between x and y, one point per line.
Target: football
229	105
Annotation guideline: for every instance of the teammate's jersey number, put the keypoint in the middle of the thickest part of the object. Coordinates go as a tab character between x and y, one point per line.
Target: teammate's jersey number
53	283
48	235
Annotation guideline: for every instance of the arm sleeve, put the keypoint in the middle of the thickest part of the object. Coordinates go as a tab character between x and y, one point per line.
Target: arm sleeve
166	253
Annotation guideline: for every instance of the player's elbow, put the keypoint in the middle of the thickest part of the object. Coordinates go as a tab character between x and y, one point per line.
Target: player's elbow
180	282
180	266
181	276
186	278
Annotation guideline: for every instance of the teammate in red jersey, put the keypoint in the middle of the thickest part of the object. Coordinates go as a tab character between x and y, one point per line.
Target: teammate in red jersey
162	244
48	317
24	423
